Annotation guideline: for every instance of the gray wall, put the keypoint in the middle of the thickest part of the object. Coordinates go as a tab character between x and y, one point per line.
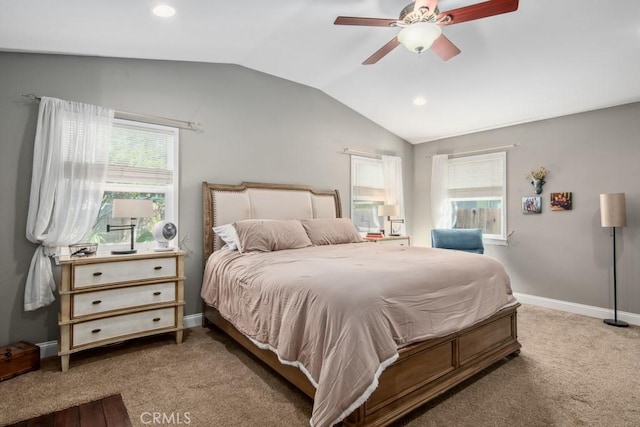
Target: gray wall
257	128
561	255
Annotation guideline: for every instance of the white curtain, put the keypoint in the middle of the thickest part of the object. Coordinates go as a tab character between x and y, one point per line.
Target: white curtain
440	207
69	167
392	171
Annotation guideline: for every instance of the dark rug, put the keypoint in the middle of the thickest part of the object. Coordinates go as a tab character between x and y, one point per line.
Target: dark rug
107	412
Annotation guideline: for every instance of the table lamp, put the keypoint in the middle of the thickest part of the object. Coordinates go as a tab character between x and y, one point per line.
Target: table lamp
132	209
389	211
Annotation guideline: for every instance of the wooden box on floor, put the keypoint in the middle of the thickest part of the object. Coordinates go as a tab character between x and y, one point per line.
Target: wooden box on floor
18	358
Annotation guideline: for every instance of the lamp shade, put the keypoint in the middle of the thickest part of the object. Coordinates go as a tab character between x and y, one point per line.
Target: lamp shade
130	208
419	36
389	210
613	212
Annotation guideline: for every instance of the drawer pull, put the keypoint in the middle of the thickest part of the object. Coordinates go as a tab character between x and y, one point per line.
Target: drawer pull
95	331
156	293
96	302
157	319
97	273
157	267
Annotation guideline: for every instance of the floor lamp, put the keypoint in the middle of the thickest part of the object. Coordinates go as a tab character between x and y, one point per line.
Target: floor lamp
613	214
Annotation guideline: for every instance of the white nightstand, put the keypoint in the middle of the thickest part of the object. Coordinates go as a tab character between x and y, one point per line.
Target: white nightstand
392	240
110	298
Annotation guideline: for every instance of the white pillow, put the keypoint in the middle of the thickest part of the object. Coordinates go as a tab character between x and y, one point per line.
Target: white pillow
229	236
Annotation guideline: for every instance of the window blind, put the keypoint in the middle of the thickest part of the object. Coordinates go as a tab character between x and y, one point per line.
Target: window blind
477	176
367	179
141	155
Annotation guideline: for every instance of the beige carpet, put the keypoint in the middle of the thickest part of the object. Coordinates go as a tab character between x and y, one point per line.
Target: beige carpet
573	371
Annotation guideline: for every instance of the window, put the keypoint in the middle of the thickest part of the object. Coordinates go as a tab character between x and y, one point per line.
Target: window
477	193
143	164
367	193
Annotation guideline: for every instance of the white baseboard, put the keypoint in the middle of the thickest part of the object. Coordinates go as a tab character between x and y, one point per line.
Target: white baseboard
50	348
192	320
572	307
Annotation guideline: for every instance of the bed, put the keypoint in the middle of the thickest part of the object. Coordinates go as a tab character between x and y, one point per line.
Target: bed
422	364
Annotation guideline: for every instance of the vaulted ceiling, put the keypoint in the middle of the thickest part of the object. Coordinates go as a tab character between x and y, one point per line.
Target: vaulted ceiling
549	58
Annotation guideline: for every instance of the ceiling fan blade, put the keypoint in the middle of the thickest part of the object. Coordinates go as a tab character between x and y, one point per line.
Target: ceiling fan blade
479	10
367	22
430	4
380	53
444	48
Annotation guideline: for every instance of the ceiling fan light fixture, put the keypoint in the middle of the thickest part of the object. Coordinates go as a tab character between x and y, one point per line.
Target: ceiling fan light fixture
419	36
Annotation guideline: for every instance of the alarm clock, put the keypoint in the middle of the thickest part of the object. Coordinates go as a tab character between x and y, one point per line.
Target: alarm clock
164	232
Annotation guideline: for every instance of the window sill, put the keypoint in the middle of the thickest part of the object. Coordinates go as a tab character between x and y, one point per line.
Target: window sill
495	242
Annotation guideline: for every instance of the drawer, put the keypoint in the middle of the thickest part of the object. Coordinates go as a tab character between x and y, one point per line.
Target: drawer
117	299
412	372
397	242
120	326
105	273
480	340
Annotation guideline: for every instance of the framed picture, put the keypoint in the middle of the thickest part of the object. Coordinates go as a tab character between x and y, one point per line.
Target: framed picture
561	201
531	205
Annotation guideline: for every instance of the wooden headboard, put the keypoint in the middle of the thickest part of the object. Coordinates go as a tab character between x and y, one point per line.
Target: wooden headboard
226	204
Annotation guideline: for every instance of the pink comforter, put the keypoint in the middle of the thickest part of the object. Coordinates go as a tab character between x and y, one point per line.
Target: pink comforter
340	312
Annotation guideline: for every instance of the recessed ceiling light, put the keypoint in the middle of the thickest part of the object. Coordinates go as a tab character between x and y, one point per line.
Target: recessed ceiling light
419	101
164	11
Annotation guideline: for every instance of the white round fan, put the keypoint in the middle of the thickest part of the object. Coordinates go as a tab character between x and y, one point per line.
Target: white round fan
164	232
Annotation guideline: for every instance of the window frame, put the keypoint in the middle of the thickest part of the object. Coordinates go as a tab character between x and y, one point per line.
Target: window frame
171	191
492	239
382	200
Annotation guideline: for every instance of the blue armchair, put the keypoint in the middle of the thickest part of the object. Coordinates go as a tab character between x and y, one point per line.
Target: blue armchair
462	239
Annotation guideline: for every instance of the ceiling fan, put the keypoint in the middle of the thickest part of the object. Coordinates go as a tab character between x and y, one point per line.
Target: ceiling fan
421	21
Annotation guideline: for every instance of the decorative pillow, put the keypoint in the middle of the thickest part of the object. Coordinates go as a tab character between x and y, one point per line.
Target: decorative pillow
331	231
257	235
228	235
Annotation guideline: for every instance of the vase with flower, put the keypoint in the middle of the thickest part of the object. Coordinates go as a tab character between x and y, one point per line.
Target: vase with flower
536	177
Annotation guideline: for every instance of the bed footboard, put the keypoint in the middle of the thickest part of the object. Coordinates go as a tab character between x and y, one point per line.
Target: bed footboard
427	369
422	372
